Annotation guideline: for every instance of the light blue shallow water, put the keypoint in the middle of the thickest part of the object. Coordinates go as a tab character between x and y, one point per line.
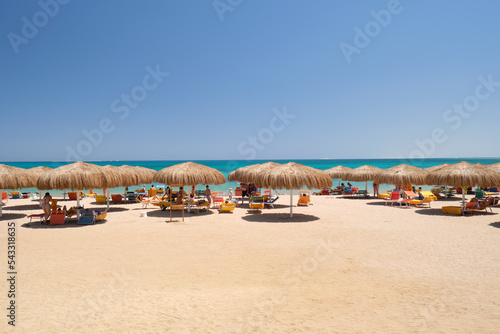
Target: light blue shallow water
227	166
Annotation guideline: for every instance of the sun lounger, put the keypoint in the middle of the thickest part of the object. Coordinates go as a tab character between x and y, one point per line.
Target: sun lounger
217	200
87	217
256	203
227	207
362	193
469	207
394	198
428	198
58	217
72	195
117	198
37	215
271	202
15	195
410	196
131	196
101	199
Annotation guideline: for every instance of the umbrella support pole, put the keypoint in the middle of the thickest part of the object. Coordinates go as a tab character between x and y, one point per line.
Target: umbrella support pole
77	205
291	203
464	190
40	198
107	199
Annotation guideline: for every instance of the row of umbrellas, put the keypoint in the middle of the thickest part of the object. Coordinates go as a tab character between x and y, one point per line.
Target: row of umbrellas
288	176
458	175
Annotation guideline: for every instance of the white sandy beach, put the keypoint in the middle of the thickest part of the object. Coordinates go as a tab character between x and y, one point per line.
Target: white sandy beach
339	266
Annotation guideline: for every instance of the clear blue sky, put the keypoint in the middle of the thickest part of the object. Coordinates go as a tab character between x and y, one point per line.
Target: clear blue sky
356	87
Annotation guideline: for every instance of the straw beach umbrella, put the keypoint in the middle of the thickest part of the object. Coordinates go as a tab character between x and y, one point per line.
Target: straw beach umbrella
190	174
434	168
78	176
464	174
249	173
338	172
402	174
293	176
363	173
13	178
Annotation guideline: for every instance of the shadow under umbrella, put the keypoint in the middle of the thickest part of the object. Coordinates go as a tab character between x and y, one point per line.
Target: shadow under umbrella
177	213
70	224
11	216
279	218
497	224
22	207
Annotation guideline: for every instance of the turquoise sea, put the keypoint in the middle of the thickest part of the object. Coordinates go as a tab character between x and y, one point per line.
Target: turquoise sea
227	166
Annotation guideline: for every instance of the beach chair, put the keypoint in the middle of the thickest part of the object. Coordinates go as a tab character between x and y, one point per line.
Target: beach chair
394	198
72	195
36	215
5	197
410	195
117	198
58	217
479	193
227	207
90	194
100	215
131	196
256	204
101	199
152	192
16	195
53	205
216	200
325	192
303	201
428	198
87	217
362	193
271	202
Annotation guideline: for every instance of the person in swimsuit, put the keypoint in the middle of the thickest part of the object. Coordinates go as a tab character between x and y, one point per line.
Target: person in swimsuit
208	195
46	206
244	192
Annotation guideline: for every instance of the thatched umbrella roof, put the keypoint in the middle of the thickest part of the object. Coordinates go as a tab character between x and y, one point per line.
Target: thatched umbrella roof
294	176
363	173
464	174
250	173
434	168
338	172
14	178
77	176
402	174
494	167
189	173
35	172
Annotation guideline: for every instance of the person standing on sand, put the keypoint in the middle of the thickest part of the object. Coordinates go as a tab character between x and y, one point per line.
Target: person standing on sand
208	195
244	192
46	207
375	189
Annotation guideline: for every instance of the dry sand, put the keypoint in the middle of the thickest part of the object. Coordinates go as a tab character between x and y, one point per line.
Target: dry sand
339	266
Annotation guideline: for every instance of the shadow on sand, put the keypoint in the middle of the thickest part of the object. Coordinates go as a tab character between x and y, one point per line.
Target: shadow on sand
70	224
497	224
279	218
22	207
11	216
